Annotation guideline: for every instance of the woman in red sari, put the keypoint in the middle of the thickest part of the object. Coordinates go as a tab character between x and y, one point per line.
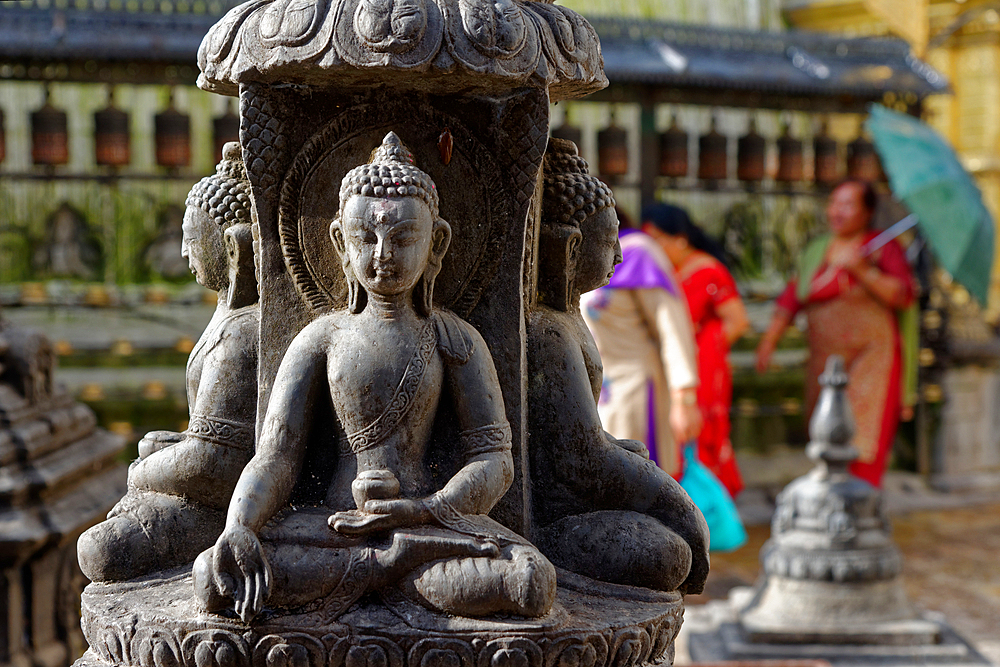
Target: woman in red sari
853	302
719	319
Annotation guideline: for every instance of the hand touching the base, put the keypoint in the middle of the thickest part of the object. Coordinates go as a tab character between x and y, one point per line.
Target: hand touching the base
241	571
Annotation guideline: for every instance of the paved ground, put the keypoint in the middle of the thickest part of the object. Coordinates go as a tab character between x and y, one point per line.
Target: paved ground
951	551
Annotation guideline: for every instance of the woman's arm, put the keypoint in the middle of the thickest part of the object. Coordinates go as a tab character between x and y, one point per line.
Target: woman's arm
769	341
889	284
734	318
669	315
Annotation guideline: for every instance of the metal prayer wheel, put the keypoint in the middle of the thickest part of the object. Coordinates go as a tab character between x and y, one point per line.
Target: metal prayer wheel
225	128
750	155
3	138
862	161
712	165
826	163
173	137
674	151
612	150
49	135
789	158
112	141
568	132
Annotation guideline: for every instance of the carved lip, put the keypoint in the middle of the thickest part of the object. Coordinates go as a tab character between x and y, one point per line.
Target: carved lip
360	43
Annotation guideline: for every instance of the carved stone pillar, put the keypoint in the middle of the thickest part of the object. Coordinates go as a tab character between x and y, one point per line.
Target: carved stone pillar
459	90
466	86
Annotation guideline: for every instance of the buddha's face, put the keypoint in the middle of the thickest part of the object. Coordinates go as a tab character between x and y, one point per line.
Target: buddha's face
600	251
204	249
388	242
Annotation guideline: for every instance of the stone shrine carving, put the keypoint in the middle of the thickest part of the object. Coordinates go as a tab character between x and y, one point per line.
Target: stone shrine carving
389	515
831	570
453	44
181	484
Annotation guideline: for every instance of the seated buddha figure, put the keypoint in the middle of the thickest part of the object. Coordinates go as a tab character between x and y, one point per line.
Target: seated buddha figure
387	366
601	508
180	486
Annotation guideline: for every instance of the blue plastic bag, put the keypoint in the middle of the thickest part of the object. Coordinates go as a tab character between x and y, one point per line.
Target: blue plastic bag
708	493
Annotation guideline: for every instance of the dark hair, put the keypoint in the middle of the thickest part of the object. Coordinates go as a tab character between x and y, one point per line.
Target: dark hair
675	221
869	198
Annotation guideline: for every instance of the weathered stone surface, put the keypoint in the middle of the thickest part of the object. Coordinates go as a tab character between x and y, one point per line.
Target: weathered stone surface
601	507
393	152
181	484
438	46
592	624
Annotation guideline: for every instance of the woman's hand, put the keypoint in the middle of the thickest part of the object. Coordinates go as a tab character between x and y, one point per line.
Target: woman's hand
769	341
765	351
685	415
241	570
380	516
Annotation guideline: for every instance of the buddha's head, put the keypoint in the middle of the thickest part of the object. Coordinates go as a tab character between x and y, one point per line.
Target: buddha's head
388	233
579	230
216	232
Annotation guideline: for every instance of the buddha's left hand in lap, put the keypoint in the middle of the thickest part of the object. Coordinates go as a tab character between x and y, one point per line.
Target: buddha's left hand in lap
382	515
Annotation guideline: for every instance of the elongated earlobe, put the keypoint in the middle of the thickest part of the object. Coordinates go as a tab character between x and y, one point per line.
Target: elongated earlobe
423	295
559	251
357	297
242	272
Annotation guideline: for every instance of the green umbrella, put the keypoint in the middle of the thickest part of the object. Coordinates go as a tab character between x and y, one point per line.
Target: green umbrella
925	173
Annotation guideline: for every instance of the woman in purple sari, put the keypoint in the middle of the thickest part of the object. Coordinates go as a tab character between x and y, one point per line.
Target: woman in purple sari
643	331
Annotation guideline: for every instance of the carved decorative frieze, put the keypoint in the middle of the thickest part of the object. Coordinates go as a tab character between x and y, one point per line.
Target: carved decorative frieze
624	627
458	44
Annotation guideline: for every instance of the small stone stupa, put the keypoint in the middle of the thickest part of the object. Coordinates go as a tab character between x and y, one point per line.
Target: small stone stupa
831	570
831	587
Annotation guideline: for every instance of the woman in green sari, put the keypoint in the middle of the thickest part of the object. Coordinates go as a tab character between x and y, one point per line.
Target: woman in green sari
859	305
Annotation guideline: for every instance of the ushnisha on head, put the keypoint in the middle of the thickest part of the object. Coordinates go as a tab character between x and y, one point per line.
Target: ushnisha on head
388	232
225	195
579	227
571	194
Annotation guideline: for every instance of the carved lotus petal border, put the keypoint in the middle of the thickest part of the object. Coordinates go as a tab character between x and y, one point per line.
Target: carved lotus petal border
163	630
486	44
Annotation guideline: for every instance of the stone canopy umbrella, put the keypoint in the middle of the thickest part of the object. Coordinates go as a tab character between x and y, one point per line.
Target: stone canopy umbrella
466	84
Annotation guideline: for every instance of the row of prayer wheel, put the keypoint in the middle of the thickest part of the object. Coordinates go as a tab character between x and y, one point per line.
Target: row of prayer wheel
751	151
112	135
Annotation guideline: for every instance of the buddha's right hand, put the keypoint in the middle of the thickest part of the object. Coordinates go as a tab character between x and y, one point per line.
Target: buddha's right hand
241	570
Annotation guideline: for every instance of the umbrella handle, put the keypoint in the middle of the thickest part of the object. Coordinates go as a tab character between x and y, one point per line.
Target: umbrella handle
889	234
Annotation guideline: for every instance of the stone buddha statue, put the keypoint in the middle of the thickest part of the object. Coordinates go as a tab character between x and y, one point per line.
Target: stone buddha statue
181	484
606	511
389	365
